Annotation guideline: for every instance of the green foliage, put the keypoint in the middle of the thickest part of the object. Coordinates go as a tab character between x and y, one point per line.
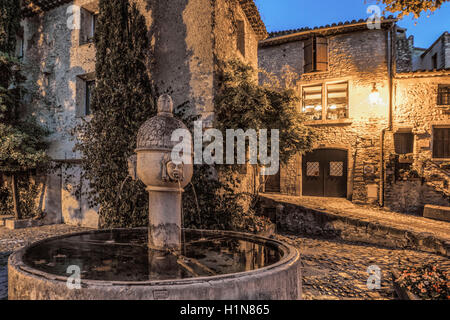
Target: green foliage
122	100
213	200
22	139
22	146
243	103
416	7
9	24
219	200
29	192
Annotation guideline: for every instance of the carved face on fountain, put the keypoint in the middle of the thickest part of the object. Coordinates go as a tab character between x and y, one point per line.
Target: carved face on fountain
154	148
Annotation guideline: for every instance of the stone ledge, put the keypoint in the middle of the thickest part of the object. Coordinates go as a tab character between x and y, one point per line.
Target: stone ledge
22	224
3	220
437	213
302	220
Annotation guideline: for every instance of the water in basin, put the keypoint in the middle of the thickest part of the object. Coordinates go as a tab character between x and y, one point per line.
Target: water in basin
123	255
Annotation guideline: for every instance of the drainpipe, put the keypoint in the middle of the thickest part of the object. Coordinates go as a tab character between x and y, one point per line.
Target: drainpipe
391	65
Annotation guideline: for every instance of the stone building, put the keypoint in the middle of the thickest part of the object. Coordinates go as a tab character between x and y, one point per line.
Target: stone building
385	128
188	38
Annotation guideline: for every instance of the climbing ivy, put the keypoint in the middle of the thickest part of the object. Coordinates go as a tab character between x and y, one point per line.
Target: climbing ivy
122	100
217	198
22	139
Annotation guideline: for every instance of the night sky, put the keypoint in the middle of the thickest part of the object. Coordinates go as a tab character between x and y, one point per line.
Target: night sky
292	14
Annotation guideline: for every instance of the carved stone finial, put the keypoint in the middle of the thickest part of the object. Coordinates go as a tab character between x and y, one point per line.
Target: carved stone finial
165	106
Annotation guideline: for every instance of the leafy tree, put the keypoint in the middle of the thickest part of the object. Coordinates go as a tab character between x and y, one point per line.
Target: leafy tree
22	144
416	7
122	100
215	200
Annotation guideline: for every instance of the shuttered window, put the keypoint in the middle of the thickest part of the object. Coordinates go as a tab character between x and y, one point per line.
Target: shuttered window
444	94
441	143
404	142
316	54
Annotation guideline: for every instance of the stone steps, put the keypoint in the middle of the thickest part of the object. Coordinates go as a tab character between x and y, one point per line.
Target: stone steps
304	219
437	213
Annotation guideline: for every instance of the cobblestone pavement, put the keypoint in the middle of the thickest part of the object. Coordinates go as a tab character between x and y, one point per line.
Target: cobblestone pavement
344	207
332	269
336	270
11	240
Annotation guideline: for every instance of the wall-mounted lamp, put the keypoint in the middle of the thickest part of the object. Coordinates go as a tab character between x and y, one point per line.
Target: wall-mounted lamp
374	96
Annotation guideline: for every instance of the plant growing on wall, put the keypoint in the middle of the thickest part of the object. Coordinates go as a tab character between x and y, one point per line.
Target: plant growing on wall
122	100
22	140
219	199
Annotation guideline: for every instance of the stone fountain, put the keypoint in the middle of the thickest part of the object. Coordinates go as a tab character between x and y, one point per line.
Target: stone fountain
162	261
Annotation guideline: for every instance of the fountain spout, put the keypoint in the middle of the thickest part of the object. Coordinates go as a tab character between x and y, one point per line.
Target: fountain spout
165	180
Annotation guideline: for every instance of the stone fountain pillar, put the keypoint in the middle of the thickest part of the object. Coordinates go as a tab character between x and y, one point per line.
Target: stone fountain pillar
164	179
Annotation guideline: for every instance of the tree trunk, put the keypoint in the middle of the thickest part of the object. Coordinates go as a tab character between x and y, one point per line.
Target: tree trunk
16	197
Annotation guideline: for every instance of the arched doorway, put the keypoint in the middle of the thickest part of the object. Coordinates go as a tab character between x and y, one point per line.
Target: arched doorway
325	172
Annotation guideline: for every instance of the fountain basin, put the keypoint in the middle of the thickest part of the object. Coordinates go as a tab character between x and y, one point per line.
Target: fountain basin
117	265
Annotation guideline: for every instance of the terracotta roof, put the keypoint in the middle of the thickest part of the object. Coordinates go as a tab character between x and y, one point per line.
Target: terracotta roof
252	13
329	29
31	7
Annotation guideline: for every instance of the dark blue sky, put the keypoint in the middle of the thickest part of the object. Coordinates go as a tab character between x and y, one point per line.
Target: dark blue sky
292	14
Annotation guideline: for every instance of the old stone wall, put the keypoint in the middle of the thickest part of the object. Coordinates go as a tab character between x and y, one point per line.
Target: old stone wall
404	52
188	38
55	58
410	186
299	220
360	59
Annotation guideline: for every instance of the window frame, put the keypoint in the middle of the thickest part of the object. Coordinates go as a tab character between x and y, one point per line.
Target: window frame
89	84
405	142
433	141
325	85
88	21
443	89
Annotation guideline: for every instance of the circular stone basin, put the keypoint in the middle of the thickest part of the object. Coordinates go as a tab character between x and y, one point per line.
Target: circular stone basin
117	264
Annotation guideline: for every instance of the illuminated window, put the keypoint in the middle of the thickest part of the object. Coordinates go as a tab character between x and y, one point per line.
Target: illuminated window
334	97
337	101
312	102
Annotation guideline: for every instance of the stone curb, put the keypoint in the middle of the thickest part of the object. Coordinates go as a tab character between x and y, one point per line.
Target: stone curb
302	220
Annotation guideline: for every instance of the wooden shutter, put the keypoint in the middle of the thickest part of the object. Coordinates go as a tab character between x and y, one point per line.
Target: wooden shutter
404	142
321	54
441	143
309	55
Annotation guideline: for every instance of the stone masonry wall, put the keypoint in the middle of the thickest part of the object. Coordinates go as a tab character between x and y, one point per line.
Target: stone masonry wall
360	59
427	180
188	38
